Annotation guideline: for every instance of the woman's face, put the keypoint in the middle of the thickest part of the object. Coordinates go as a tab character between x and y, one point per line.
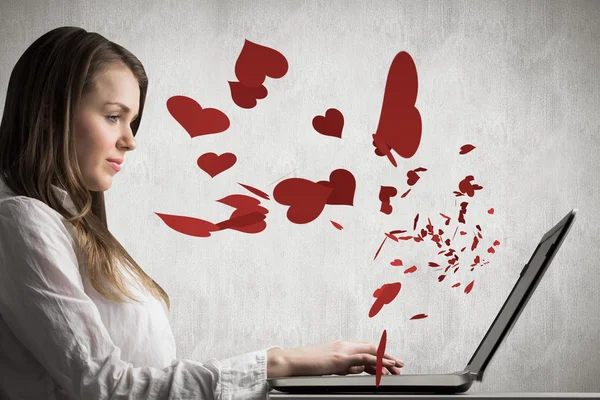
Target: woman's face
103	131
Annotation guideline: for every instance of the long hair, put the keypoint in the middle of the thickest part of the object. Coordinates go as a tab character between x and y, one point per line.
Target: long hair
37	147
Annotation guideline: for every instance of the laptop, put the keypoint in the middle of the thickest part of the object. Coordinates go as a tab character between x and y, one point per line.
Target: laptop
455	382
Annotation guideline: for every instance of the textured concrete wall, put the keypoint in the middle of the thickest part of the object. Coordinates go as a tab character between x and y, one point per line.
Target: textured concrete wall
519	80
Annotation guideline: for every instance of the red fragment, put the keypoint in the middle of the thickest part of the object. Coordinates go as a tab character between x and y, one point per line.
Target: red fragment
394	238
469	287
410	270
475	242
465	148
338	226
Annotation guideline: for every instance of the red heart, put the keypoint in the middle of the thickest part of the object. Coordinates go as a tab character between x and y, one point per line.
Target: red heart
400	121
344	185
413	177
246	96
256	62
331	124
305	198
194	119
213	164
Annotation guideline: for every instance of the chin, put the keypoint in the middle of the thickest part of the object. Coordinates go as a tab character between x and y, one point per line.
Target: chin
99	185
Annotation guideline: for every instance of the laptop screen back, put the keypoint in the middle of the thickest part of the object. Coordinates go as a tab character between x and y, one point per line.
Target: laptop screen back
517	299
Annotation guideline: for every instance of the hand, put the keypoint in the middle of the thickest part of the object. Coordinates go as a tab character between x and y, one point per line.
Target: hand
338	357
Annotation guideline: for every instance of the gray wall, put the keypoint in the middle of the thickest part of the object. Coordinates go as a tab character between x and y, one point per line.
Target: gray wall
518	79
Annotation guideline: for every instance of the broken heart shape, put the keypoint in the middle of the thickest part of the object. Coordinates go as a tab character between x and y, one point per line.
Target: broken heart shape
214	164
197	121
256	62
385	194
331	124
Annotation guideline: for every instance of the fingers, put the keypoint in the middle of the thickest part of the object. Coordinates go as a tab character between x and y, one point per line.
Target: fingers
365	346
370	369
368	359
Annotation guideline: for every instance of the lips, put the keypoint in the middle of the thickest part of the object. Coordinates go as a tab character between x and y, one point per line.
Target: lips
114	165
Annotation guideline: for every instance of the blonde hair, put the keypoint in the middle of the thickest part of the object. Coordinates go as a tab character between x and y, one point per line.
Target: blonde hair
37	146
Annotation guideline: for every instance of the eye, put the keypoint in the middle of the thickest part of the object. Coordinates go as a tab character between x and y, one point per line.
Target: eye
113	116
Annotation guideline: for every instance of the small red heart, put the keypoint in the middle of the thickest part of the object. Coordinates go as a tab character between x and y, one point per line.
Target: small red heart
413	177
306	199
213	164
246	96
197	121
344	186
331	124
256	62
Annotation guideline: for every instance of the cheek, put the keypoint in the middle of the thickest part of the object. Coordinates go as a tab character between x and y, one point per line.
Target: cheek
93	141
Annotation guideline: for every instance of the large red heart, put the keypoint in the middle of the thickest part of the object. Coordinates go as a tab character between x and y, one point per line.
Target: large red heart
197	121
344	186
256	62
331	124
213	164
306	199
400	122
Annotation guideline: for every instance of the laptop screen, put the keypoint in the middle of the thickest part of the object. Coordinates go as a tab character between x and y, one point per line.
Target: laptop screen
517	299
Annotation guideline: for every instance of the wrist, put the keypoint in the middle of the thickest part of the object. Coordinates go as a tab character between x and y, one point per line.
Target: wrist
278	363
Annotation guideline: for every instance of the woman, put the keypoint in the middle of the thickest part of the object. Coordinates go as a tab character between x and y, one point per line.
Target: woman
79	318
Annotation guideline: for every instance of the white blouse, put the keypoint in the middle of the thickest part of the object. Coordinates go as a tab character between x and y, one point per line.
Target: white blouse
61	339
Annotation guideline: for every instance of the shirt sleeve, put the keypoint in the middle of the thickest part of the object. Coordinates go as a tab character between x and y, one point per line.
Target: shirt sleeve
43	302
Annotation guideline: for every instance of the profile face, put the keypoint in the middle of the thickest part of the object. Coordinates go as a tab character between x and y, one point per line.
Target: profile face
103	131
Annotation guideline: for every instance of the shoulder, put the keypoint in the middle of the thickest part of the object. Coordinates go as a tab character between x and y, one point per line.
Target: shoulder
25	214
25	208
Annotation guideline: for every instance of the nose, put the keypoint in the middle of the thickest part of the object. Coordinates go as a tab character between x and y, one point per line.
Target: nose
127	140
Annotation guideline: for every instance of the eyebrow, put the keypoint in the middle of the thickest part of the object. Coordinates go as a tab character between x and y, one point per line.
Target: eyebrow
123	106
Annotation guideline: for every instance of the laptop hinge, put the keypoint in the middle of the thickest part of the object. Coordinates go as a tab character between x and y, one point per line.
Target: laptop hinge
475	376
